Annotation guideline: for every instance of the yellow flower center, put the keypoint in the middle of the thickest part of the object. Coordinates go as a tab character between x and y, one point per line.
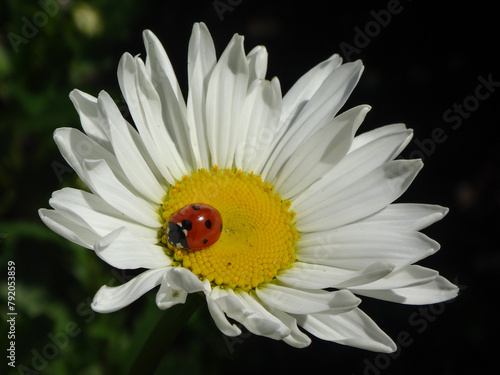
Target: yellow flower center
258	236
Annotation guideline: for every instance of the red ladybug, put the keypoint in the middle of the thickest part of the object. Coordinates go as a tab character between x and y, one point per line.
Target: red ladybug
194	227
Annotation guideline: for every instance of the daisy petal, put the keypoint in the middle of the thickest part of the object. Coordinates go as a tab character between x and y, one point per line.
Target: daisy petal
123	250
169	296
295	100
226	93
86	106
249	312
364	197
407	216
404	277
296	338
313	276
109	299
372	135
354	166
218	315
298	301
158	65
127	146
353	328
127	78
304	89
257	63
94	213
76	147
319	110
68	229
437	290
173	106
320	152
151	109
258	122
355	246
201	62
107	186
183	278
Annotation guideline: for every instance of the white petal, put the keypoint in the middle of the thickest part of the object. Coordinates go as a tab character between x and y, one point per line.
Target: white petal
319	153
249	312
109	299
268	130
159	66
76	147
68	229
127	148
353	328
295	100
94	213
182	278
437	290
408	276
218	315
123	250
226	93
151	106
86	106
319	110
173	107
258	122
406	216
298	301
118	196
354	166
169	296
372	135
355	247
127	78
257	63
313	276
201	62
362	198
296	338
305	88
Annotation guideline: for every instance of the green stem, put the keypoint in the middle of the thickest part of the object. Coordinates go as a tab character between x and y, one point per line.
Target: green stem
163	335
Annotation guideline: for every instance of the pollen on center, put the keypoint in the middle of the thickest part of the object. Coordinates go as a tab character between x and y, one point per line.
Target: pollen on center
258	236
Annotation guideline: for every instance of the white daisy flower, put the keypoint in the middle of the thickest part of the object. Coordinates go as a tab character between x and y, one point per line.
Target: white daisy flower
308	223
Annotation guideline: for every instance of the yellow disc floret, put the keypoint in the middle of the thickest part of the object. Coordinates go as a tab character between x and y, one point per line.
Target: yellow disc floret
258	235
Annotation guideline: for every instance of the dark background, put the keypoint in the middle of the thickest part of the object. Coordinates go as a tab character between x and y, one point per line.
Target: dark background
422	64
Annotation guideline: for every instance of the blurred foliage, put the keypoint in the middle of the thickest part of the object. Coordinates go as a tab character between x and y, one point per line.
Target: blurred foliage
47	48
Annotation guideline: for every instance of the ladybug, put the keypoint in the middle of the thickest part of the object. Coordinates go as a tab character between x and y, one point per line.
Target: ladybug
195	227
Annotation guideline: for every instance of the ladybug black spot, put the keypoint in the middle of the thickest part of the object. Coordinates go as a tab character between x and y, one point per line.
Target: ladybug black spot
205	241
186	224
195	207
208	224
